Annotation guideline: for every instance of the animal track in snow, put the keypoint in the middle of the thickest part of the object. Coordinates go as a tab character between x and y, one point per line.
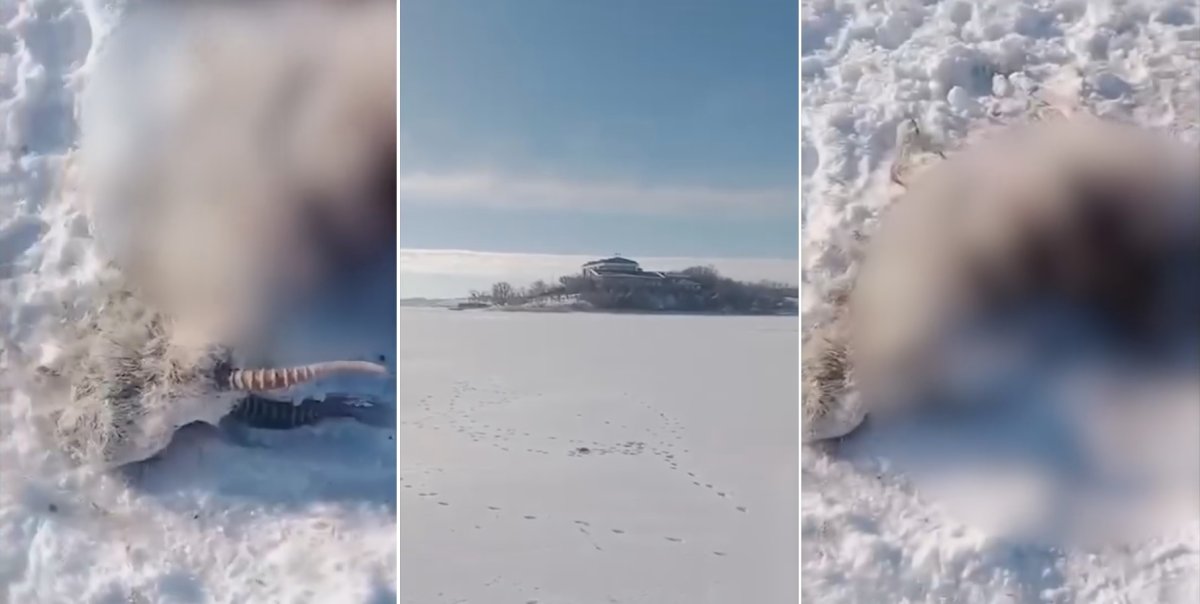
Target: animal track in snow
465	411
582	526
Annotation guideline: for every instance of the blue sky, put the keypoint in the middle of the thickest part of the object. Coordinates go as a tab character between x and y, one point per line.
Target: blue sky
662	128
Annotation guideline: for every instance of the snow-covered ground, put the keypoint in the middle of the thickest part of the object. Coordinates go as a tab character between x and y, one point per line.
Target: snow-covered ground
980	509
580	458
308	517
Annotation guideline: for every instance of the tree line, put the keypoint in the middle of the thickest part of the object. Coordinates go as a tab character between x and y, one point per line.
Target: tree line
703	289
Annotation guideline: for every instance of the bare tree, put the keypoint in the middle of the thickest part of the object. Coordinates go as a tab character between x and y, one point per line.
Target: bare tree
503	293
538	289
704	275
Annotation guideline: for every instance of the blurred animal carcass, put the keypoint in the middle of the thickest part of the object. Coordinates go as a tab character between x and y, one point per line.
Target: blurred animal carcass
239	155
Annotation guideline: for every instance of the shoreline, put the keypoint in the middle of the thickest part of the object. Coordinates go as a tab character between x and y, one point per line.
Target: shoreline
614	311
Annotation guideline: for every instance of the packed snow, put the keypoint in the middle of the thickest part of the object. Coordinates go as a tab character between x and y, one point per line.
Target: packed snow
306	515
581	457
995	506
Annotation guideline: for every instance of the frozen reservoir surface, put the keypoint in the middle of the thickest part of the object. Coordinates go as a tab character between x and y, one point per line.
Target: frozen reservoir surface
559	458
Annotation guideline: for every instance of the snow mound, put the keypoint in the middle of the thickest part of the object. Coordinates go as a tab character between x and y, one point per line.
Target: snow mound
309	516
1004	505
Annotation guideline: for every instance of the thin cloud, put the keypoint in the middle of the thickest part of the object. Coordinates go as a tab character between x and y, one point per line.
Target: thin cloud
491	189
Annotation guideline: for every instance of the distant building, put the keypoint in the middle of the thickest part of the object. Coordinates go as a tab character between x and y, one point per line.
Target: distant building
618	270
614	265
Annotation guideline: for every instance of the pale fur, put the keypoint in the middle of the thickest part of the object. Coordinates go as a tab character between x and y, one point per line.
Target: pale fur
126	378
1008	220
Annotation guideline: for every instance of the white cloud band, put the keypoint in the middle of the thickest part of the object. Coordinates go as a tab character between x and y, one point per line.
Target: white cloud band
488	189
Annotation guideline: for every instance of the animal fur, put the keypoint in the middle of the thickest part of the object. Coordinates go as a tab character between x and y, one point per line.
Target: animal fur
132	375
1096	216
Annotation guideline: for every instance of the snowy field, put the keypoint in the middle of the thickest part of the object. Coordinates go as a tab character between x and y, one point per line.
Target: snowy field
590	458
308	516
983	510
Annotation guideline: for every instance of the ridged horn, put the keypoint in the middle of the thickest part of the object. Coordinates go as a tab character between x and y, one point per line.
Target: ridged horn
278	378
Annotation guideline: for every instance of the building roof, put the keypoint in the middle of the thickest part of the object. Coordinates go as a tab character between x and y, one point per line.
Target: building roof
613	260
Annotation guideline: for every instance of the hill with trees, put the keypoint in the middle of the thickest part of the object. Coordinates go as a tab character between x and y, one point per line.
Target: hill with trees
698	289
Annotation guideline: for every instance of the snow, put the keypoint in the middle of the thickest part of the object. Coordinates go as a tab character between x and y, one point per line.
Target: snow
992	507
498	502
686	491
304	516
